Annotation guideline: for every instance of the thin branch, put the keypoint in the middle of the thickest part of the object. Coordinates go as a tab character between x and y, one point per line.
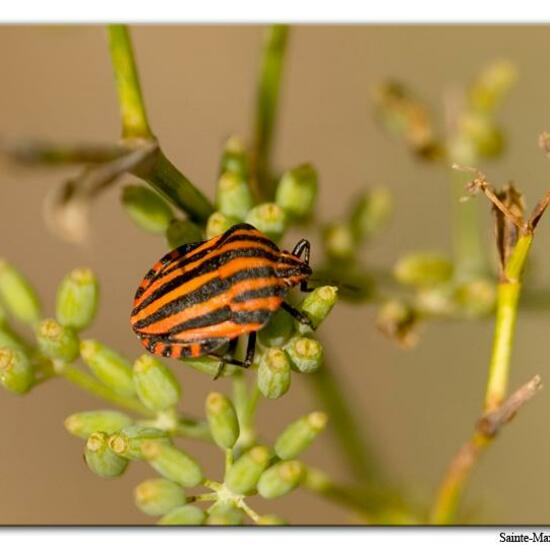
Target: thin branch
267	102
487	428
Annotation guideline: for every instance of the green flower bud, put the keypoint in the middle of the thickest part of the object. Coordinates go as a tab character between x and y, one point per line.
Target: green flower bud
339	242
476	298
317	305
297	191
222	420
278	330
235	159
77	299
233	196
370	213
272	520
147	209
423	269
280	479
218	223
492	85
305	354
16	373
299	435
108	366
156	497
211	366
18	295
274	373
172	463
101	459
183	232
245	472
9	339
57	342
223	513
183	515
155	384
269	218
398	321
483	133
84	424
130	441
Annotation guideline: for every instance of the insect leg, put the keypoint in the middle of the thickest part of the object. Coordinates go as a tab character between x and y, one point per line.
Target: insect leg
250	350
302	317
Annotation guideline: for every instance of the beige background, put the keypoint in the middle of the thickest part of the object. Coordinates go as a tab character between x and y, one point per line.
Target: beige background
199	83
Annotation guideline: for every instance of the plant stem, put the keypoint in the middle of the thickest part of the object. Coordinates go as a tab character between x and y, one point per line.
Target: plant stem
163	176
132	107
507	303
267	100
193	429
345	426
89	384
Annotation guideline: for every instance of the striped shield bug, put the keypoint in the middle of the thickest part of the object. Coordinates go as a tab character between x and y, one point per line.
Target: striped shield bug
204	295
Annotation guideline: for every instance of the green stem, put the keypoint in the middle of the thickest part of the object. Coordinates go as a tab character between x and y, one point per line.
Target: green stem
134	117
452	486
506	314
91	385
470	260
271	70
170	182
346	427
193	429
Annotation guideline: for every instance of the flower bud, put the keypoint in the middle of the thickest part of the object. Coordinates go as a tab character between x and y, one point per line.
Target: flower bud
84	424
491	86
339	242
16	373
297	191
398	321
77	299
423	269
211	366
17	294
155	384
317	305
305	354
245	472
156	497
278	330
218	223
272	519
235	159
147	209
129	441
233	196
269	218
183	515
370	213
486	137
9	339
274	373
280	479
476	298
108	366
101	459
299	435
222	420
172	463
57	342
183	232
223	513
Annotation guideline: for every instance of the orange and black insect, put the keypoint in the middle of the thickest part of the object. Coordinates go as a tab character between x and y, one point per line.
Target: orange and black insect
202	296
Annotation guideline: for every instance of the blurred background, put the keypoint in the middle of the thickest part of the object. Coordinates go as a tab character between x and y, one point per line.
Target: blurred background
417	406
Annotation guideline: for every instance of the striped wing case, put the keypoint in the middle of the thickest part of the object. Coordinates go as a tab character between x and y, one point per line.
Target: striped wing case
200	296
